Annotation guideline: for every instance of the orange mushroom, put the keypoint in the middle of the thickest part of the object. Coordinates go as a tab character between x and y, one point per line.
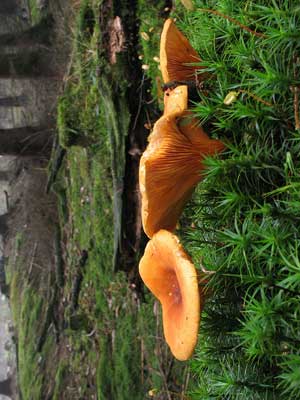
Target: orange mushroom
176	55
170	168
170	275
175	101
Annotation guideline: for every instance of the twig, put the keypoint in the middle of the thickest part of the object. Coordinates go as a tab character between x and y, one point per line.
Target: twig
185	384
148	124
76	287
159	352
91	333
296	98
140	88
33	135
49	316
203	269
234	21
163	376
255	97
142	361
32	259
59	264
296	107
33	138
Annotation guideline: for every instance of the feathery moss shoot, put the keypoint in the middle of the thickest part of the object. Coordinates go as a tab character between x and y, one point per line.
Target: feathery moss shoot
245	219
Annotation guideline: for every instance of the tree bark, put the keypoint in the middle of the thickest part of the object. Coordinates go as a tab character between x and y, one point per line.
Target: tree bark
3	224
26	63
13	101
5	387
8	7
4	287
37	34
4	175
26	141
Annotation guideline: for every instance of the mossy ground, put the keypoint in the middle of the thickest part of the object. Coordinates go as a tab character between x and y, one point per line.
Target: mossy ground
129	358
108	343
37	12
241	224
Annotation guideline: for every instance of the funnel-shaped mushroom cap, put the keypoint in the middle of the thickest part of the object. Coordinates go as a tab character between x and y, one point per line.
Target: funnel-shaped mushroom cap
176	55
169	170
170	275
175	101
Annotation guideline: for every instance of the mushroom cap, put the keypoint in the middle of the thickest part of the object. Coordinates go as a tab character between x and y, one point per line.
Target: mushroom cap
175	101
176	55
170	275
170	168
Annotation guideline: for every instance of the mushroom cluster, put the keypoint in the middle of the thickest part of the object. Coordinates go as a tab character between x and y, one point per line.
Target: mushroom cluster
170	169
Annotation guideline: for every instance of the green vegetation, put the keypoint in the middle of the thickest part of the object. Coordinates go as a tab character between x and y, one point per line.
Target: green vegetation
29	303
36	13
245	214
111	332
151	18
242	224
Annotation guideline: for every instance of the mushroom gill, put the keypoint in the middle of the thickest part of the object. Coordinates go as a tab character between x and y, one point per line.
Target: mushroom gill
176	55
170	275
170	168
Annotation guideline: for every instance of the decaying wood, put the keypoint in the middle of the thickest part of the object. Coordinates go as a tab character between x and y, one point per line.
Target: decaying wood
59	263
48	320
57	160
78	280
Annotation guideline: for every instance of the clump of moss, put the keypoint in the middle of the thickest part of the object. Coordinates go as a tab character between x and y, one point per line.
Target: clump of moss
244	222
151	17
68	122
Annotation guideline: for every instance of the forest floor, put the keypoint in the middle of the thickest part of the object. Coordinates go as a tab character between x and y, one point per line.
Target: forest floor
86	329
86	326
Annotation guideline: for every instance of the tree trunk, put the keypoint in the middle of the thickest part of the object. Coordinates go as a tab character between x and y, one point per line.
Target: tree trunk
4	288
13	101
8	7
37	34
26	63
3	224
26	141
5	387
4	175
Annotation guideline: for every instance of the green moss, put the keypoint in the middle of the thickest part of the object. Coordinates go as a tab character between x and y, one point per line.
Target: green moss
151	17
28	309
30	380
110	332
35	13
60	377
242	223
66	123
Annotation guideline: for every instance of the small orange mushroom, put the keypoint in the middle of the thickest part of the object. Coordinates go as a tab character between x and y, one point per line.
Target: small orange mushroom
170	275
176	55
170	168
